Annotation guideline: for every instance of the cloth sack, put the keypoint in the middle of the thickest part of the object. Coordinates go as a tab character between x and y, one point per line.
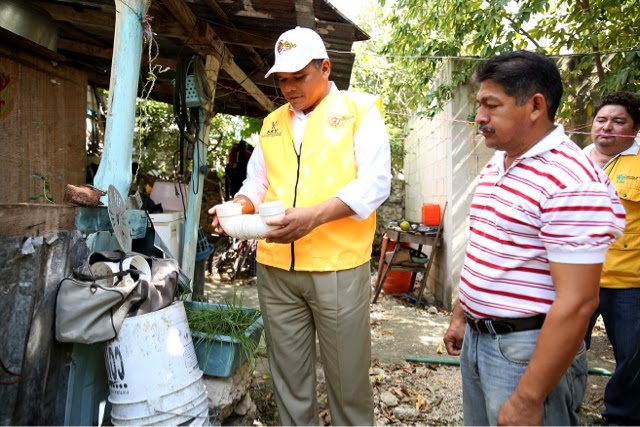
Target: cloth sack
88	310
163	284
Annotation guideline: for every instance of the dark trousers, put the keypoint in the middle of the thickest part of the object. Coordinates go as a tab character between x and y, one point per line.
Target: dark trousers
620	309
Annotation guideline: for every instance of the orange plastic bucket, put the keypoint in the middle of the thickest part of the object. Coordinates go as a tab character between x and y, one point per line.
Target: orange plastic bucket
396	281
431	214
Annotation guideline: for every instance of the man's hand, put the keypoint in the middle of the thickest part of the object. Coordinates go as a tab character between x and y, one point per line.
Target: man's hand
297	223
454	336
517	411
215	223
247	207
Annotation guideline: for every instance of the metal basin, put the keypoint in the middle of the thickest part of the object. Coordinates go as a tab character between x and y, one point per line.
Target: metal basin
29	21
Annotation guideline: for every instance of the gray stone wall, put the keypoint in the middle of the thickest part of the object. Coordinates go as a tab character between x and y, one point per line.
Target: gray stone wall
391	210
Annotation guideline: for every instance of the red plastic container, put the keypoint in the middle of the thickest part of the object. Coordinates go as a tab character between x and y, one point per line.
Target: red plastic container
396	282
431	214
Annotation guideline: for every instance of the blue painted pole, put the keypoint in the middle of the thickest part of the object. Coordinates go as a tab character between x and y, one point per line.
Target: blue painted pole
87	390
195	200
115	165
192	223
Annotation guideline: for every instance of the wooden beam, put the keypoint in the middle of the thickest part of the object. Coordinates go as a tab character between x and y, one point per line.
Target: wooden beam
247	84
166	26
224	19
233	36
21	45
345	32
31	219
106	53
305	17
203	34
84	16
212	69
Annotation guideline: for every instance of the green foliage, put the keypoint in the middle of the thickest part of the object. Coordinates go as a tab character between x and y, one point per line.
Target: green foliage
372	73
232	320
158	137
251	127
604	35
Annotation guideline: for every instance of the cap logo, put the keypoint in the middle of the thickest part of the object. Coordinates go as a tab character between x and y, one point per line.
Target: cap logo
284	45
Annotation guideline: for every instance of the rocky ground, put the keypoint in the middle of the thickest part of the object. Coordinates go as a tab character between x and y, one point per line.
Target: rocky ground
408	393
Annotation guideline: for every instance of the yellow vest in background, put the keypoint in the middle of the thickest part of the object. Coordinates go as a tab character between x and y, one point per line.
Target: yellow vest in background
621	268
325	165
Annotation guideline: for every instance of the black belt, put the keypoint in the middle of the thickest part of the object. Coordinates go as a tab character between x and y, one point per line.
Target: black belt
504	326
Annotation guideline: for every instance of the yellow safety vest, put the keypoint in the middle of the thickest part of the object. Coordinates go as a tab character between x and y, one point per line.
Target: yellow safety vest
326	164
621	268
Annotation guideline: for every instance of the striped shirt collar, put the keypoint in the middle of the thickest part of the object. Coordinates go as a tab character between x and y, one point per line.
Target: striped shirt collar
549	142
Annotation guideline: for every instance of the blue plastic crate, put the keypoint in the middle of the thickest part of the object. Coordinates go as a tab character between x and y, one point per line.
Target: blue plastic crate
220	355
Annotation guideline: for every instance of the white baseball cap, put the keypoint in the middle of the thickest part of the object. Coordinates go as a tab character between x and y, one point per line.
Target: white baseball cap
295	49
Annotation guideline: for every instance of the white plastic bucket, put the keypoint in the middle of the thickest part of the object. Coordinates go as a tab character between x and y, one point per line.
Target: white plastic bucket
168	403
153	370
191	411
202	419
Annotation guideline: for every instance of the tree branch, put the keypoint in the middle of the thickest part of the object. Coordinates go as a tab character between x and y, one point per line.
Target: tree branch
522	31
596	48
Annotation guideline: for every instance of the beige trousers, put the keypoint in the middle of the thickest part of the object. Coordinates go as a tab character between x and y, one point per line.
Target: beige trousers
335	305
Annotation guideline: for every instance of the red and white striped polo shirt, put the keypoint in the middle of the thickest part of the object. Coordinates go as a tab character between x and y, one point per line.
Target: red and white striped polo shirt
552	204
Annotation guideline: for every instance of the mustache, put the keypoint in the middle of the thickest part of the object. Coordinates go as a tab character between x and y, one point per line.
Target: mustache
485	129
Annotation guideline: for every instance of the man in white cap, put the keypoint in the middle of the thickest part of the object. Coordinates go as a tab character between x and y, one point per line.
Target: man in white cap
325	155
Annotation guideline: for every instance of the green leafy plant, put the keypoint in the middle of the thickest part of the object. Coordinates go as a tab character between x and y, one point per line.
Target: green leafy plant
594	42
46	189
224	327
230	321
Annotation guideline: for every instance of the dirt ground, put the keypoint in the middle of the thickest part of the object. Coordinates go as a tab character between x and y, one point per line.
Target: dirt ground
427	392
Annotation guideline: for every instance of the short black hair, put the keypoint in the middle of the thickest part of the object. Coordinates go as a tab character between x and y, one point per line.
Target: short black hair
317	63
630	101
522	74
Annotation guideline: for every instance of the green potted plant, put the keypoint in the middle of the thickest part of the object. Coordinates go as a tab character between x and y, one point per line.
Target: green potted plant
224	335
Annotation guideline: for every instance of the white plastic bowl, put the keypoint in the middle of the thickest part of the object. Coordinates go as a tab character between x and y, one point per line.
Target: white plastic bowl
252	226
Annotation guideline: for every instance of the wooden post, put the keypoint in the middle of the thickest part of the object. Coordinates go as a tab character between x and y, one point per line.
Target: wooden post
212	68
115	165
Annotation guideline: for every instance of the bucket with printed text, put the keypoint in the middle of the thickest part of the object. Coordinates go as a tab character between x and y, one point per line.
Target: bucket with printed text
153	372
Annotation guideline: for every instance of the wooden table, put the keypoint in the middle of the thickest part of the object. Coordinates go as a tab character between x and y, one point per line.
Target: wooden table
399	237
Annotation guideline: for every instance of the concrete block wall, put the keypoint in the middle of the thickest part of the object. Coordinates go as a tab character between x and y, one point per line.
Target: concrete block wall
443	158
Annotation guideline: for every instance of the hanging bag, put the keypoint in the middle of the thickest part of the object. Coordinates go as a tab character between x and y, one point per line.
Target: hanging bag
87	312
90	310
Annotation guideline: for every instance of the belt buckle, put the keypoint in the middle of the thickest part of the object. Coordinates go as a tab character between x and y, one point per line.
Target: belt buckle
475	322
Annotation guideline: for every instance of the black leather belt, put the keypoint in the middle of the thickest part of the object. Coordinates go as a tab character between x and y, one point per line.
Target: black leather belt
505	326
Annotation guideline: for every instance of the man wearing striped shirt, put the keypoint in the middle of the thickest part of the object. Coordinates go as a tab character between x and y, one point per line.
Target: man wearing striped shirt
541	221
